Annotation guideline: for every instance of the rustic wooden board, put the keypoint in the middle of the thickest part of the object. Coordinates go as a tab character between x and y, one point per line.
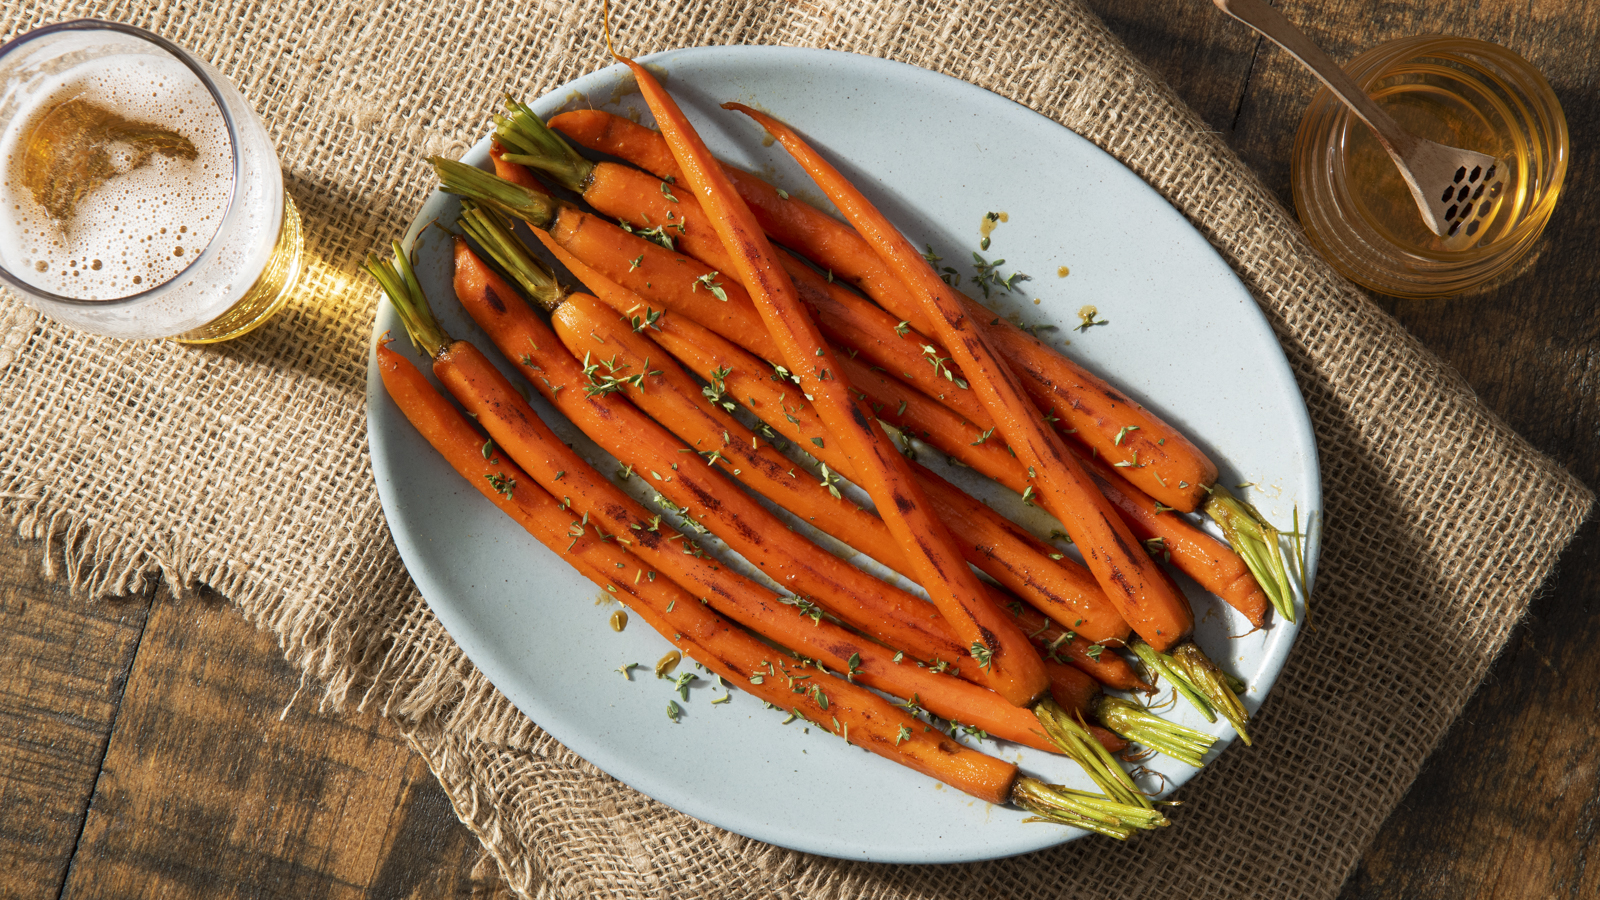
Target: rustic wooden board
60	686
151	748
1509	804
144	747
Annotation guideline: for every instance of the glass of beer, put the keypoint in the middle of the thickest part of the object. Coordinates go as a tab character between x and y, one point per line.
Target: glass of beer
142	195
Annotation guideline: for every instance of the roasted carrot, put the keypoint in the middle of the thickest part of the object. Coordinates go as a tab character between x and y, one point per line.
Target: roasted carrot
1073	691
996	546
1142	591
1160	615
633	197
743	661
886	347
1012	667
1083	401
856	714
590	397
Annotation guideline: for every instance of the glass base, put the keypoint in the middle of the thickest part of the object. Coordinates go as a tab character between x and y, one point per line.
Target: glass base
267	295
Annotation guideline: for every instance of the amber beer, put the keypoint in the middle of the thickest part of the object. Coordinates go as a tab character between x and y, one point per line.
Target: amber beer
141	195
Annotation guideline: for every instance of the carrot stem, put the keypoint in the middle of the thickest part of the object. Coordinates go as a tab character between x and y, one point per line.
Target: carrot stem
536	279
529	142
512	200
1073	736
1136	723
1215	684
1082	809
1257	542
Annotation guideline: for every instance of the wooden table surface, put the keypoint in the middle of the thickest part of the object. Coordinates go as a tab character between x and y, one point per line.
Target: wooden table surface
157	747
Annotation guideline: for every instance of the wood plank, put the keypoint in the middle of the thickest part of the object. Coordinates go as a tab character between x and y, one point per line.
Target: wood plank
65	666
1509	805
215	785
1204	55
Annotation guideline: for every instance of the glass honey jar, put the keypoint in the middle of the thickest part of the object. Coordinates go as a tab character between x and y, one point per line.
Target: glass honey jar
1459	92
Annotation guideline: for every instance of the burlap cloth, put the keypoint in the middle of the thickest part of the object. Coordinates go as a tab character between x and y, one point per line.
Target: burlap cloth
245	467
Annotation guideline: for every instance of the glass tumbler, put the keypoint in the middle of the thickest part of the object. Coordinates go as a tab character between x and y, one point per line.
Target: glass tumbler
142	195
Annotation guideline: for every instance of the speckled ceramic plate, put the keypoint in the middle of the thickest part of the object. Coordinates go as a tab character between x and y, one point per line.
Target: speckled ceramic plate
1181	335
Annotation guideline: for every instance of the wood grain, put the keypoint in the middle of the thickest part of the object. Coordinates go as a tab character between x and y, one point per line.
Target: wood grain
65	667
1509	804
157	747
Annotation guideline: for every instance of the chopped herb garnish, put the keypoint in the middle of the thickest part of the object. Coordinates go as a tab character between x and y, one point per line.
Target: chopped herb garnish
627	670
502	484
1124	433
666	193
708	281
982	654
673	710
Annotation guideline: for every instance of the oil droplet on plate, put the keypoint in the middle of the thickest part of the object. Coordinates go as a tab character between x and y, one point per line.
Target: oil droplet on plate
619	620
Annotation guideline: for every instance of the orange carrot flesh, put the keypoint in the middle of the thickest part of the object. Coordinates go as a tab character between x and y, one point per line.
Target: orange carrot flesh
998	547
1058	643
1172	469
1211	563
614	516
1147	599
665	276
885	612
887	346
1073	691
858	715
1012	668
630	195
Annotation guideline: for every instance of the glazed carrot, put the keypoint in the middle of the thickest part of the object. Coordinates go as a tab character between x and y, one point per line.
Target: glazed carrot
1013	669
590	398
1133	582
1060	644
878	726
1083	401
631	196
1211	563
890	347
856	714
987	540
1073	691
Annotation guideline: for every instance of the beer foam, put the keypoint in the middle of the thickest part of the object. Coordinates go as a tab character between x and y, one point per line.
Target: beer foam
140	228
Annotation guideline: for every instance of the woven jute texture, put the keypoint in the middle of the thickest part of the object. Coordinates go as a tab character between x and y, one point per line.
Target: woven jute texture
245	467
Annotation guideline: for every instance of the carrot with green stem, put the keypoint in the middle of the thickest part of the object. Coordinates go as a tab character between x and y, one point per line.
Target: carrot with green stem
734	374
1012	667
861	717
1162	463
591	397
1155	608
1001	549
476	286
674	612
1089	404
725	370
701	272
889	347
